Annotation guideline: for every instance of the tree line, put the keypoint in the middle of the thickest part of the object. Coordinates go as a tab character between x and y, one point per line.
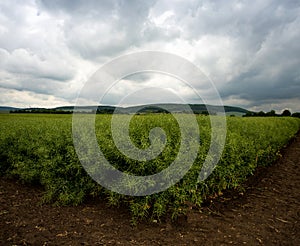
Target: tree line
272	113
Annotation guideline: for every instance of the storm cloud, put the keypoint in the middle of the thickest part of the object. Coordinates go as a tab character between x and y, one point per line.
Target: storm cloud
250	50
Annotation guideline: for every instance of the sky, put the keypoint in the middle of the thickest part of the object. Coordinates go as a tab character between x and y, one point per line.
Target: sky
250	50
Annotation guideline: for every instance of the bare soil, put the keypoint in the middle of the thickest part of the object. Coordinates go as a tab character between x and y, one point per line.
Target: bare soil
267	213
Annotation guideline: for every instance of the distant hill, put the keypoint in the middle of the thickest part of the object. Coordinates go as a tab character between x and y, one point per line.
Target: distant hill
149	108
196	108
5	109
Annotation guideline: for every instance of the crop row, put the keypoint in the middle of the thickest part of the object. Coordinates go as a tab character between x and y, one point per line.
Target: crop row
39	149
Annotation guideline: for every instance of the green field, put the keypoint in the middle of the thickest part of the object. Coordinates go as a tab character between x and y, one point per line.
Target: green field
38	148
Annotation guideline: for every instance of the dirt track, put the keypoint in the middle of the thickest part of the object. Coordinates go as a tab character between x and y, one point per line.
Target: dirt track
268	213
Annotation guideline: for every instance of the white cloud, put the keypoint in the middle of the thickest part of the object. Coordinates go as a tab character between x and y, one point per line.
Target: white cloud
26	99
162	20
22	61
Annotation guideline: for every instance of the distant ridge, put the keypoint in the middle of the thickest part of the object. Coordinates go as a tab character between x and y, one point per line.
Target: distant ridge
147	108
6	109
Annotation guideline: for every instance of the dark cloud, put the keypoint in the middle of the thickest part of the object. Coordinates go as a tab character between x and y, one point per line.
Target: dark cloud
97	29
272	73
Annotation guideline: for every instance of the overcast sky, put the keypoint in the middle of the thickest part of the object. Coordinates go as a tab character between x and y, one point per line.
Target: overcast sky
249	49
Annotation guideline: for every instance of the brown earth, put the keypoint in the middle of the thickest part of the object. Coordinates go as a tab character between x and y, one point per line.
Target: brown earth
267	213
